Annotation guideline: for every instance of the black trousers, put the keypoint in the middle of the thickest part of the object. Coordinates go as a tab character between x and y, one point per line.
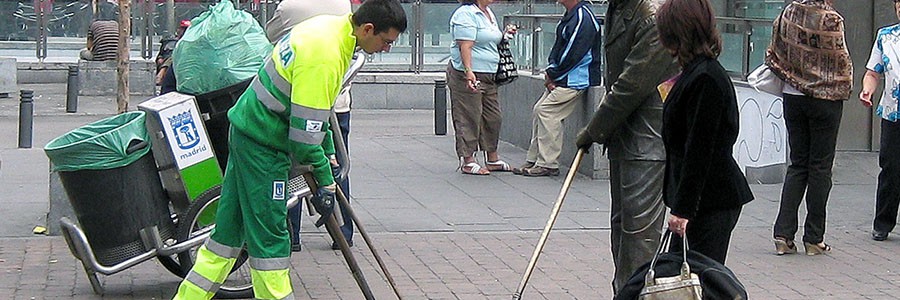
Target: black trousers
709	233
887	198
812	126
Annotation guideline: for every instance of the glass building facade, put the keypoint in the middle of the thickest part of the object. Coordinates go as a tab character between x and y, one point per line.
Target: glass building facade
424	47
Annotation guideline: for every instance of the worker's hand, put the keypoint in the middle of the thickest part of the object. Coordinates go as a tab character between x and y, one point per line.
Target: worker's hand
323	202
584	140
336	171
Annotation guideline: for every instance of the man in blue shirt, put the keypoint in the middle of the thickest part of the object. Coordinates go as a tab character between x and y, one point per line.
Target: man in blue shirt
574	66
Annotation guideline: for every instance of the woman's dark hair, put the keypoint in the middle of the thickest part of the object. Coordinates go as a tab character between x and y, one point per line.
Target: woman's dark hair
383	14
688	28
464	2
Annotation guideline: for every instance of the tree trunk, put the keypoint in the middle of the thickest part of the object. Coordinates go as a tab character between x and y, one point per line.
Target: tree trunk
123	57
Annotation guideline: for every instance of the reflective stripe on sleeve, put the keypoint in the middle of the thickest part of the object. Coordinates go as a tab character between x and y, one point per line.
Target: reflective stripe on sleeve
265	97
306	137
306	113
283	86
270	264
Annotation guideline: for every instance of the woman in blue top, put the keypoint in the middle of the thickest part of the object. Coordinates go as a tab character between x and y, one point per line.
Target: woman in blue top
473	94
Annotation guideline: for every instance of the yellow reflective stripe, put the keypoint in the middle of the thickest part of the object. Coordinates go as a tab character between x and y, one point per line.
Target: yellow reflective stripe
222	250
271	284
202	282
267	99
306	137
270	264
283	86
307	113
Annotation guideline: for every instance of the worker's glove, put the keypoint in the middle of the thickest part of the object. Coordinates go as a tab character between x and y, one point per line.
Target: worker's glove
336	172
323	202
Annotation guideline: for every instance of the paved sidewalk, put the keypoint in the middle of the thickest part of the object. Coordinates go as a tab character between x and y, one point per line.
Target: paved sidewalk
445	235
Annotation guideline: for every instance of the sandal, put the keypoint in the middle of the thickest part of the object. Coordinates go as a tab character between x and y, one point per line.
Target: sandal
783	246
474	169
498	166
816	249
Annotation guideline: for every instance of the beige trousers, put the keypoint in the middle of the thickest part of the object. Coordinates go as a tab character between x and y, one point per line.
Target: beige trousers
546	132
476	115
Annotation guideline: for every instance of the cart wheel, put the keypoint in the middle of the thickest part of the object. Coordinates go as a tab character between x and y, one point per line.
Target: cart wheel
171	263
238	283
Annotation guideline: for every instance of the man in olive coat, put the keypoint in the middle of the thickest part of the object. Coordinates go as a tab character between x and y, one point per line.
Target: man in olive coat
628	122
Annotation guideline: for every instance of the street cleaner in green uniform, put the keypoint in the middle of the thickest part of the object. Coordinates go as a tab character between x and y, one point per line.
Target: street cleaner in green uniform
284	115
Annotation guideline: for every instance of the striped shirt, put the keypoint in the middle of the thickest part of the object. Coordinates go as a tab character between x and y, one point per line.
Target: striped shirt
105	37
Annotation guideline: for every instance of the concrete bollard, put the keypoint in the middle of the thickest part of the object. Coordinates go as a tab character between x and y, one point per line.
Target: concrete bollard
72	90
26	118
440	107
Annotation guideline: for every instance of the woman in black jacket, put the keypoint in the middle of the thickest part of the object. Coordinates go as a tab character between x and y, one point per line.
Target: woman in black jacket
703	186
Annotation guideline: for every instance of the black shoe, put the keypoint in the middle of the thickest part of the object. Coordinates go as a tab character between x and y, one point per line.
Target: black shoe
295	248
336	246
879	235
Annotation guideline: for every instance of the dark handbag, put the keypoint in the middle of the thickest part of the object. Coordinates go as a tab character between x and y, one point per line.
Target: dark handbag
684	286
506	69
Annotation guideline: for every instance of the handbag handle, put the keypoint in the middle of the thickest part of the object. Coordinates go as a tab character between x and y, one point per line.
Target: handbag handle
666	240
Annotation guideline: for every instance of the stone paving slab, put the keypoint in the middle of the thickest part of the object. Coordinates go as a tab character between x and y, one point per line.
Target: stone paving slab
476	265
450	236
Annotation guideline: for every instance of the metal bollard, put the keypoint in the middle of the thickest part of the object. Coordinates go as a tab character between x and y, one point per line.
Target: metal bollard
440	107
72	90
26	118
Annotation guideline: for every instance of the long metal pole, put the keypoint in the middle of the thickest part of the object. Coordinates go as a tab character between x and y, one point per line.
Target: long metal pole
540	246
342	199
334	230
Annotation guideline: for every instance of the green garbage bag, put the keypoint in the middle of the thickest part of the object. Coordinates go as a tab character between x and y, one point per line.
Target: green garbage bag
100	145
223	46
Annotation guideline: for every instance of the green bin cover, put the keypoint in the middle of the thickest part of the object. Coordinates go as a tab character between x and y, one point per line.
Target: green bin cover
100	145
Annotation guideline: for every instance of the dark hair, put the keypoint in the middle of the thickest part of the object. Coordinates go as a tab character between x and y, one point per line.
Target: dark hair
107	11
688	27
464	2
383	14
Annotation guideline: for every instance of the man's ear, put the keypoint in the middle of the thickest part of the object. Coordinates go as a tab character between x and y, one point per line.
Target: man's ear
369	28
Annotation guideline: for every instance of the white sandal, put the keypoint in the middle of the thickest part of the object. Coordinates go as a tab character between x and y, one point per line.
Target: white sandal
498	166
474	169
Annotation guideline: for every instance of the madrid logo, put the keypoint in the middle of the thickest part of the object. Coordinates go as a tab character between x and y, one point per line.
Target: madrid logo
185	130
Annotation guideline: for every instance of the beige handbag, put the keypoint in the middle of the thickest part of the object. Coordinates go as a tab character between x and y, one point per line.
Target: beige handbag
685	286
763	79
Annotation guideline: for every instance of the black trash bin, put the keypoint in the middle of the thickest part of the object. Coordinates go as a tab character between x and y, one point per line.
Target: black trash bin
112	182
216	104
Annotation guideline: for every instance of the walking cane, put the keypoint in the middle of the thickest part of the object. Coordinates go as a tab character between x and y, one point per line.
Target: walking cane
334	230
342	199
555	213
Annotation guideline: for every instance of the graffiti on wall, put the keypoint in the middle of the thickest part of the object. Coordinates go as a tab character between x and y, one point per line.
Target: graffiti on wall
762	140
